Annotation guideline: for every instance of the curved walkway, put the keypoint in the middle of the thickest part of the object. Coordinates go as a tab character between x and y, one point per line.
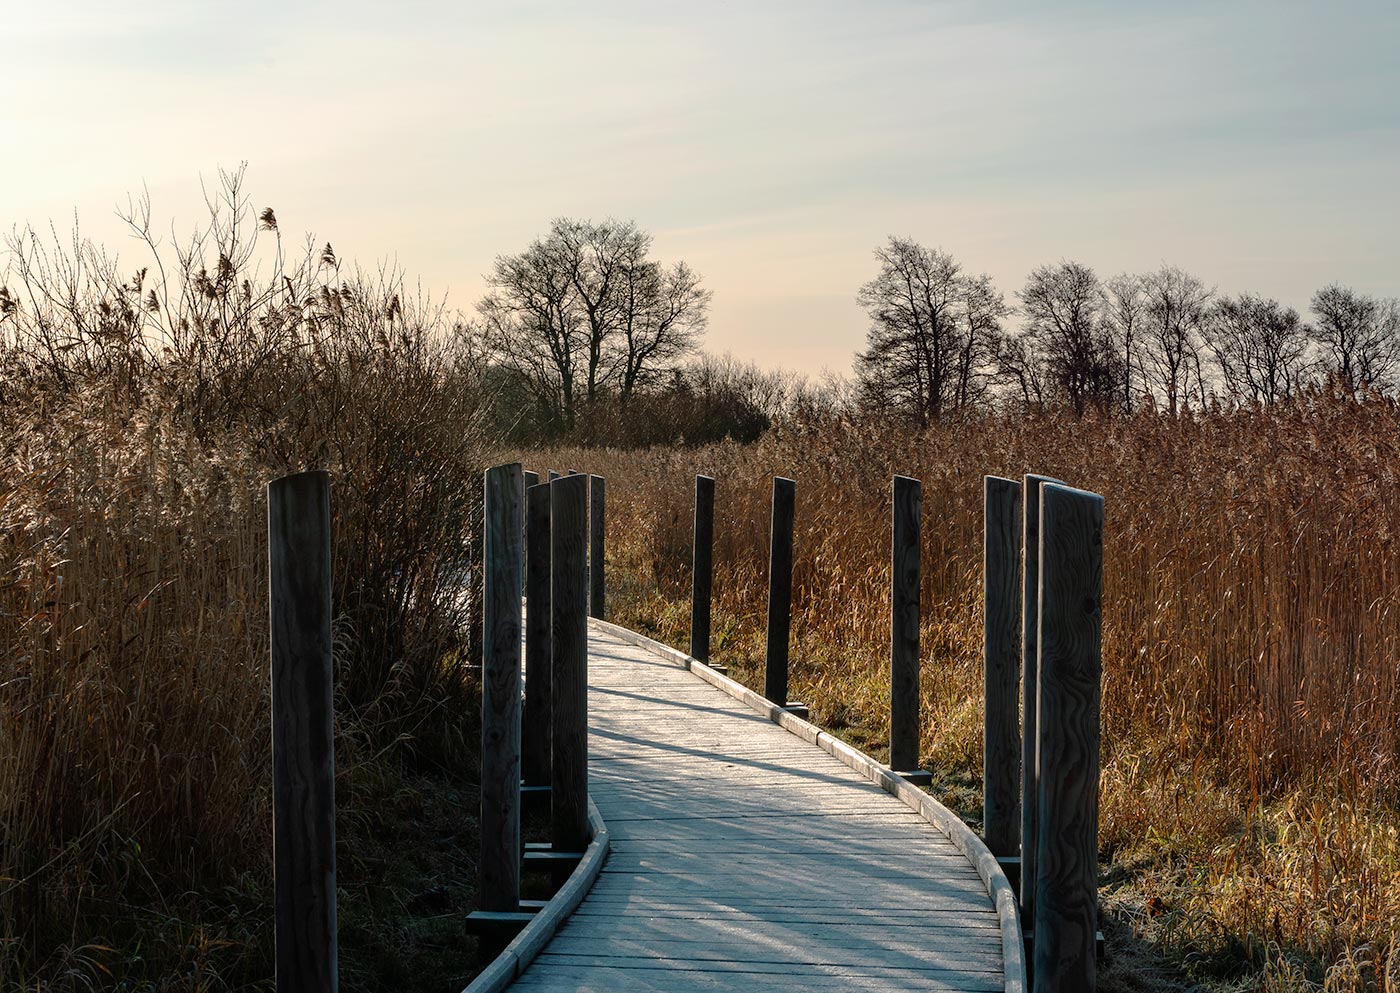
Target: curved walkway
743	857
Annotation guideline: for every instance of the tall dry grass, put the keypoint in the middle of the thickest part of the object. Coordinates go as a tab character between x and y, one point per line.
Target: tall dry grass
1251	636
141	418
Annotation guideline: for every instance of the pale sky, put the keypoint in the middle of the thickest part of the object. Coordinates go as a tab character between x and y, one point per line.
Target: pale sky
771	145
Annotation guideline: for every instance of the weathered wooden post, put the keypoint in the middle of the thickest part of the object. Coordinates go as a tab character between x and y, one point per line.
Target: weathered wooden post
1070	636
775	684
569	610
702	571
1030	673
596	525
531	479
499	867
906	512
1001	666
535	746
303	753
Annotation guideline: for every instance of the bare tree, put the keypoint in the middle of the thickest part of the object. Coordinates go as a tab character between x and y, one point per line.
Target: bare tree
583	312
1067	335
981	308
1125	312
933	332
664	313
1359	336
907	363
1176	313
1260	346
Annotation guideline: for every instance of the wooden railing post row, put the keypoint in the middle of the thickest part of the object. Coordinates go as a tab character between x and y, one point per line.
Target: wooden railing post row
596	533
702	572
1030	673
775	683
499	867
1070	683
905	518
569	622
303	752
535	745
1001	666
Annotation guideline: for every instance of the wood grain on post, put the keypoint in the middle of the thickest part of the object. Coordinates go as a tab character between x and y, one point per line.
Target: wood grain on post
539	664
1070	633
531	479
499	867
568	514
1001	665
904	623
1030	669
597	518
775	686
702	572
303	753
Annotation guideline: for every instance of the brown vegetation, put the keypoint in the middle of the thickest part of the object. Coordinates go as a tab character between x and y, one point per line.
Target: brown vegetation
142	417
1252	627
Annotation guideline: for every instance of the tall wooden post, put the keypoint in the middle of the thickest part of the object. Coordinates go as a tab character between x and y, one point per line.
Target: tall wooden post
702	572
775	685
303	753
569	610
531	479
1030	673
1001	665
1070	636
499	867
596	533
906	512
535	746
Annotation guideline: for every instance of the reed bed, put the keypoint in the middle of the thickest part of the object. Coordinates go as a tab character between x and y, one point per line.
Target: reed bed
1249	824
140	420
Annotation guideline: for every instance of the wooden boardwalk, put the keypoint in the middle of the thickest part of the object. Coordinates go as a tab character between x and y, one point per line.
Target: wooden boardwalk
743	857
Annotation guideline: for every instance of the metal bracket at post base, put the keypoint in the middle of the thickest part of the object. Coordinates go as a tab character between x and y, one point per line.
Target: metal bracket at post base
919	777
798	710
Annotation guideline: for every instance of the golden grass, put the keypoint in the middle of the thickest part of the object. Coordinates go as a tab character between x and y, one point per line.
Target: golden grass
135	444
1251	626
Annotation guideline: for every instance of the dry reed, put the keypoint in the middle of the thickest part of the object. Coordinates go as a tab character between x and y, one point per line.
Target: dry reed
1251	627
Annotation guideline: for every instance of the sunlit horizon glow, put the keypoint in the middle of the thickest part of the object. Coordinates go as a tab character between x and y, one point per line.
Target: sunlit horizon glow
770	145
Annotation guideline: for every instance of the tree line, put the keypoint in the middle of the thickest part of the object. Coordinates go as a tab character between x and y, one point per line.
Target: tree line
589	335
939	341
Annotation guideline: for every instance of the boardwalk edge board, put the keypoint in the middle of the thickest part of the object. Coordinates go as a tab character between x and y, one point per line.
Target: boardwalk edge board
506	967
997	885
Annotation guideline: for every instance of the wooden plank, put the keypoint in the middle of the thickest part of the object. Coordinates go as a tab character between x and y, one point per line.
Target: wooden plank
702	568
775	686
569	614
1001	665
1070	634
303	752
499	865
907	509
538	653
596	532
